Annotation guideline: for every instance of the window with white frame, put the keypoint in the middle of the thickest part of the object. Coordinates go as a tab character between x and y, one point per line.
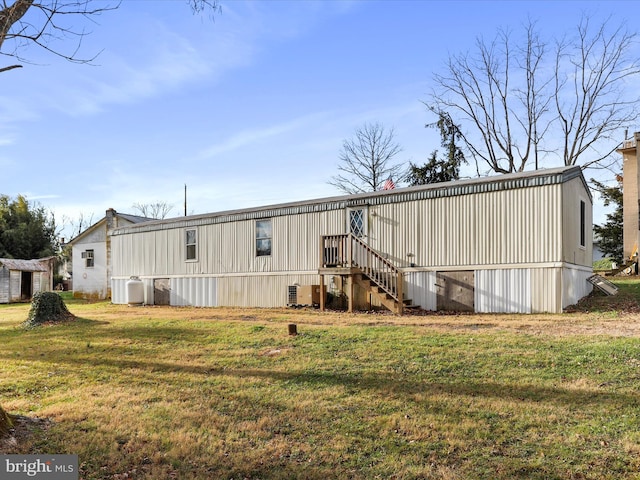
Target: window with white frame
264	235
191	245
87	256
357	222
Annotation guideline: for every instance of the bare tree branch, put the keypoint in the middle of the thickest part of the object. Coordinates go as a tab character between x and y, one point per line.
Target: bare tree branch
590	98
520	102
45	23
366	160
158	210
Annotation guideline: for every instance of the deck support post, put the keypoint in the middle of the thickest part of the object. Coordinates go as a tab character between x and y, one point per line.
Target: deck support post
322	293
399	290
350	292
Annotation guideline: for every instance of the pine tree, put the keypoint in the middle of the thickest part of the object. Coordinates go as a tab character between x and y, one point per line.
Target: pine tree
440	169
610	234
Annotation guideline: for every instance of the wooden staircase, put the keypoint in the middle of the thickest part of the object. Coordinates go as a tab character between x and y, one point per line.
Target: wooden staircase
350	257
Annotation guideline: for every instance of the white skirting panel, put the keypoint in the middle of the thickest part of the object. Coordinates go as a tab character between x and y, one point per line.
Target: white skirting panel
420	287
194	292
503	291
185	291
575	285
118	291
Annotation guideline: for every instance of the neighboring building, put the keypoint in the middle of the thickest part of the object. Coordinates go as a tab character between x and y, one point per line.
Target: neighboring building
510	243
630	197
91	251
20	279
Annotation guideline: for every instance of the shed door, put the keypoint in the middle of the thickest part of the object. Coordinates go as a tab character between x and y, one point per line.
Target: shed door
455	291
26	287
15	278
161	291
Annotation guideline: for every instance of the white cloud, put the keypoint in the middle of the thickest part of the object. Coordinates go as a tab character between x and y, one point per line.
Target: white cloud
250	137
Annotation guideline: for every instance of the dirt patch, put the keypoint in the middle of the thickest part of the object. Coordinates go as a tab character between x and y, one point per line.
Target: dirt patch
23	428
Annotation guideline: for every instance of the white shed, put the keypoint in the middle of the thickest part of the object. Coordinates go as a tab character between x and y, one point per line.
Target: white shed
511	243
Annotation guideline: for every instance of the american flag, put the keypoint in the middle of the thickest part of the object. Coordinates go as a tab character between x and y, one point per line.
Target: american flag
389	185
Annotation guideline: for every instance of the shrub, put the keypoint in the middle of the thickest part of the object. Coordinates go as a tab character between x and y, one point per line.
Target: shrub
602	264
5	423
47	307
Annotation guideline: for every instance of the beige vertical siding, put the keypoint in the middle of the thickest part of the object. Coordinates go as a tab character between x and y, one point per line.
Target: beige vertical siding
259	291
572	251
226	247
630	198
505	227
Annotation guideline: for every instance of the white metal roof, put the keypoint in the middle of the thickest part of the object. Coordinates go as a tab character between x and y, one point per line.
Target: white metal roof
551	176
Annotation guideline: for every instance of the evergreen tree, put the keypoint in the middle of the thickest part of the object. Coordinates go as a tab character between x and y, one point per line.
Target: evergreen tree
26	231
610	234
440	169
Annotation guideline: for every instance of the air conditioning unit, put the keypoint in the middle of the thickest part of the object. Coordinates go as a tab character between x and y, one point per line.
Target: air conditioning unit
303	295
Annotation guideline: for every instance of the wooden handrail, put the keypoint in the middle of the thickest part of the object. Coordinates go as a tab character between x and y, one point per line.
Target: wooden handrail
347	250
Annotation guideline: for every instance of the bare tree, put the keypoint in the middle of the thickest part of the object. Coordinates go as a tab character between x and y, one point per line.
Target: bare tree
75	226
43	23
590	96
366	160
519	101
157	209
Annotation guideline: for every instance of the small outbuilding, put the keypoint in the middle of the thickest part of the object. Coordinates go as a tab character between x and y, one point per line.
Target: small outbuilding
20	279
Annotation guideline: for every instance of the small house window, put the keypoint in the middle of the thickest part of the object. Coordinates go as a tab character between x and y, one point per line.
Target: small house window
191	244
264	234
583	223
87	255
356	222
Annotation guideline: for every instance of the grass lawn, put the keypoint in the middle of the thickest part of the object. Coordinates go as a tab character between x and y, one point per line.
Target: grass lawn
186	393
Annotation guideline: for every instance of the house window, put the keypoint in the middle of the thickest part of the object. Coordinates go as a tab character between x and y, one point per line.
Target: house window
87	255
191	244
583	223
264	234
357	222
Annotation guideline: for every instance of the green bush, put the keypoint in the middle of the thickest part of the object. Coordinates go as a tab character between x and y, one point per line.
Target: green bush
602	264
5	423
47	307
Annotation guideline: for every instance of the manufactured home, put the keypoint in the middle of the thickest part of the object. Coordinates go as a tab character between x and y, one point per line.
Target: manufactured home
21	279
510	243
90	257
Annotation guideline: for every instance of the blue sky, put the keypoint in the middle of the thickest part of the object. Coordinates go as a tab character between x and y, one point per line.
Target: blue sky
246	110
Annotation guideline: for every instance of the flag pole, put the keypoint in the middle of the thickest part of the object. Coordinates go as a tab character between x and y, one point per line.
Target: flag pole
185	199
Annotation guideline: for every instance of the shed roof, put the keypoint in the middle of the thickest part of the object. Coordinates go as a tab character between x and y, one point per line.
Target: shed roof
551	176
23	265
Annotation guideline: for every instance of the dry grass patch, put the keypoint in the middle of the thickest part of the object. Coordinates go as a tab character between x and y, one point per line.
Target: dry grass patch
191	393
